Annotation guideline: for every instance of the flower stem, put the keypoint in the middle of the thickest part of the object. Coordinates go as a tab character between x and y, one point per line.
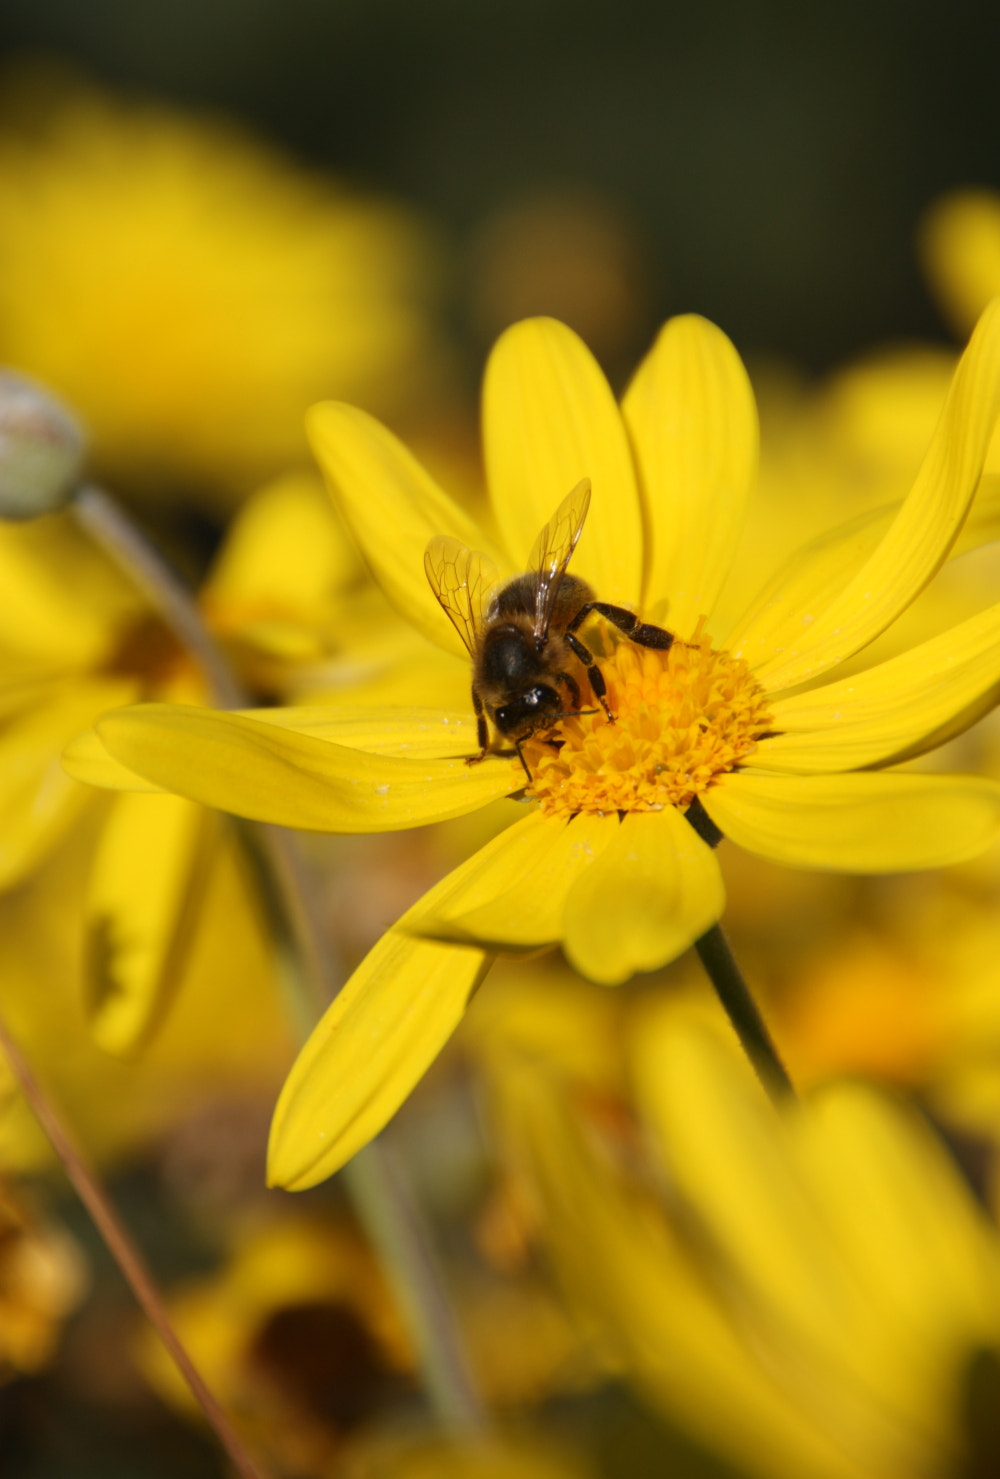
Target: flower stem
310	971
377	1181
124	1252
110	526
741	1009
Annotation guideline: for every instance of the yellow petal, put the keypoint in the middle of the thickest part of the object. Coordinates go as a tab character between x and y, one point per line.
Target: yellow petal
648	896
693	422
730	1155
922	532
373	1045
393	508
875	822
375	1042
549	420
814	1218
414	733
38	800
515	900
86	759
959	242
286	555
902	1211
146	882
810	579
272	774
632	1274
900	706
815	574
64	604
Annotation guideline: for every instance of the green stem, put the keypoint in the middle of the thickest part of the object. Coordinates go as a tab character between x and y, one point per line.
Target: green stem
312	977
741	1009
378	1182
111	528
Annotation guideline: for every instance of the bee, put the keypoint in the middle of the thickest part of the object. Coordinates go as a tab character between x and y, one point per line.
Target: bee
522	634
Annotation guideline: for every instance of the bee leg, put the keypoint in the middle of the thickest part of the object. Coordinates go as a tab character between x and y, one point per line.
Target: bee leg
642	632
572	685
594	675
482	731
520	756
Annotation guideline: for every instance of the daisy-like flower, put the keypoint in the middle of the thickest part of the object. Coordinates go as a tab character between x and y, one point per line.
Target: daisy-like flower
820	1274
727	733
76	637
190	291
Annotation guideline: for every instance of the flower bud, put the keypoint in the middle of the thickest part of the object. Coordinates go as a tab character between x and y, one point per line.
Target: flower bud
41	449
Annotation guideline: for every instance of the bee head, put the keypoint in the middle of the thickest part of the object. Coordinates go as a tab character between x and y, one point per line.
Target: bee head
525	711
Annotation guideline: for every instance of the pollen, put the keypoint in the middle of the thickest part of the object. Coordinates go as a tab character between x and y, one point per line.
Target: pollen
682	718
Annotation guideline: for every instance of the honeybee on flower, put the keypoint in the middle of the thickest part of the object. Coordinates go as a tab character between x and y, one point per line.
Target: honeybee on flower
522	634
736	734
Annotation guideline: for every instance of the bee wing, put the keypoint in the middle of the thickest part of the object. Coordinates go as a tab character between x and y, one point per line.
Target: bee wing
551	552
463	581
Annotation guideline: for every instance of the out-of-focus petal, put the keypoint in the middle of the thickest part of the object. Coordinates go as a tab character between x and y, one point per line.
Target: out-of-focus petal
394	508
922	533
549	420
271	774
138	919
693	421
890	709
86	759
38	800
630	1272
64	604
872	822
959	242
285	559
647	896
897	1203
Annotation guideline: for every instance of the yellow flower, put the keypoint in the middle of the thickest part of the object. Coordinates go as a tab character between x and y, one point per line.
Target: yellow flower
297	1335
821	1276
189	291
305	1345
960	245
43	1277
719	730
75	638
224	1041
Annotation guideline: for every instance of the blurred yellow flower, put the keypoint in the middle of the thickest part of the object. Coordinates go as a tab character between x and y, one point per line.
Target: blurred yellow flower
76	639
190	291
959	242
43	1278
224	1042
298	1335
306	1345
606	862
820	1275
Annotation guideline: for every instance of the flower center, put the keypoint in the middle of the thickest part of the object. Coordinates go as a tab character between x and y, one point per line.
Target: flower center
682	718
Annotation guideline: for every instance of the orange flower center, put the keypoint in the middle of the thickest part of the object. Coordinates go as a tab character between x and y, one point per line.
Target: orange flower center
682	718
